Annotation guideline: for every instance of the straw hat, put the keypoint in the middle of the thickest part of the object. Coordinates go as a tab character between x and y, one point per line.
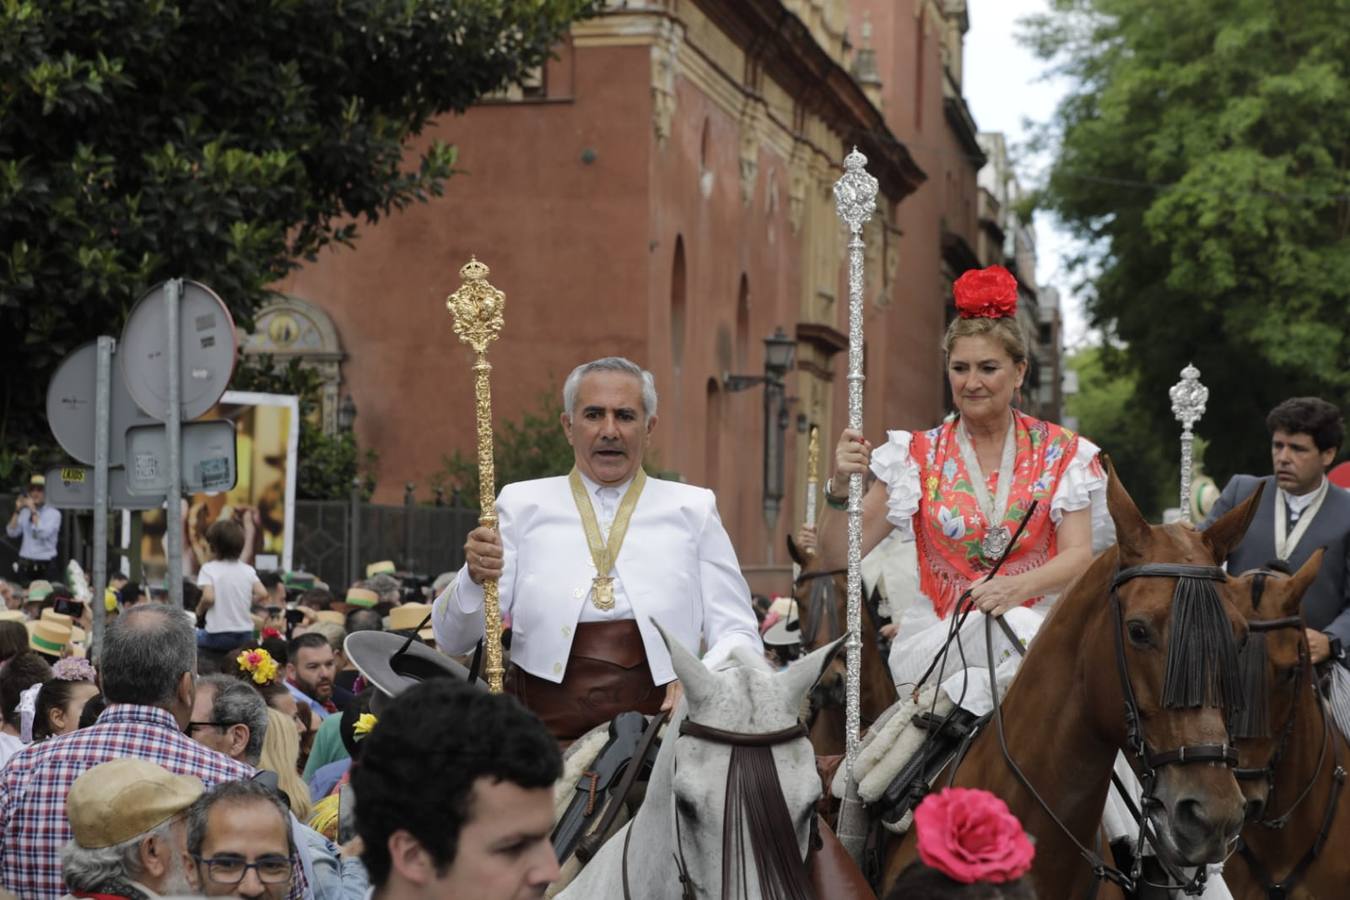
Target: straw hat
383	567
407	617
330	615
39	590
363	597
12	615
115	801
51	615
48	637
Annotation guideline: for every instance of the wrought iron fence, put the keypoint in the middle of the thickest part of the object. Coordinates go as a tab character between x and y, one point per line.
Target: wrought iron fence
424	539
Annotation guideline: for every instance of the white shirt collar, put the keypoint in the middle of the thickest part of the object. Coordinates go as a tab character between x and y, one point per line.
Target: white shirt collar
593	488
1299	502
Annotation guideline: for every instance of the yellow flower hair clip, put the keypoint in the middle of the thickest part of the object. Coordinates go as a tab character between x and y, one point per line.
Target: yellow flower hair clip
364	723
259	663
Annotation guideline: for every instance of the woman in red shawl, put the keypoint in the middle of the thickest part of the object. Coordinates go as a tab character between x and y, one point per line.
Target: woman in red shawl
960	489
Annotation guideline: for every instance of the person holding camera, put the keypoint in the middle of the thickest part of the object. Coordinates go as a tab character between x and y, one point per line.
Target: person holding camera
39	525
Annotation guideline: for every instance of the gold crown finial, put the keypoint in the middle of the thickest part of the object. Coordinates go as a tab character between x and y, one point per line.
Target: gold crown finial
473	270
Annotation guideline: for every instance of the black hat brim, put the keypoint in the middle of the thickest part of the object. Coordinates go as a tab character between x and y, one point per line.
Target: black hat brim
392	665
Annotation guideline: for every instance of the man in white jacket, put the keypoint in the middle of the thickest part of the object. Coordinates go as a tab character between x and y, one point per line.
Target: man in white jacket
586	562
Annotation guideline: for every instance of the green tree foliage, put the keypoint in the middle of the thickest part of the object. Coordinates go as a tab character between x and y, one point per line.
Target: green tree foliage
219	140
327	462
534	447
1107	411
1204	156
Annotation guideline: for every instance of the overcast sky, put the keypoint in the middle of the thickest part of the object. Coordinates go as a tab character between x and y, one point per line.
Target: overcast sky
1005	87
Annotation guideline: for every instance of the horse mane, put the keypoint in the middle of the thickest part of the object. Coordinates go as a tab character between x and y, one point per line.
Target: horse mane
1253	720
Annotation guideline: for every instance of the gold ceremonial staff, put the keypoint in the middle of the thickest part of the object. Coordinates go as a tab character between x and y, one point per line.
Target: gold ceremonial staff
477	312
812	479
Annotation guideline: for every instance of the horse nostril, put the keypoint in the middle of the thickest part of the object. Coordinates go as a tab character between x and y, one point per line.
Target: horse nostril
1254	809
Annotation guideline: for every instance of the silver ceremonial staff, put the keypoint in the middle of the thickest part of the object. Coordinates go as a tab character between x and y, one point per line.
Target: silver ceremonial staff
1189	397
855	198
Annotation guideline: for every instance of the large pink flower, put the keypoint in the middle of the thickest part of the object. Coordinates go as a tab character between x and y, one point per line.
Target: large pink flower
970	836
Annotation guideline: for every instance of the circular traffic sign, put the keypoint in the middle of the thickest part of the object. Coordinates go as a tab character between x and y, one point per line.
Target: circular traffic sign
206	352
70	406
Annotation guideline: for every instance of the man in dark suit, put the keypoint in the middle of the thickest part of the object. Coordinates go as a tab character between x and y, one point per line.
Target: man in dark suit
1300	511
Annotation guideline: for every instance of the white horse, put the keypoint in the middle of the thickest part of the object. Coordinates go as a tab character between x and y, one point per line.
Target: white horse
675	845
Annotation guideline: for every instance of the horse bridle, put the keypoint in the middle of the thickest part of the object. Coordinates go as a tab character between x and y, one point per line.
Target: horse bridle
1150	760
759	753
1302	682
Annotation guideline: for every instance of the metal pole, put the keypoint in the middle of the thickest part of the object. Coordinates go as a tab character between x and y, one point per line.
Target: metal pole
855	197
770	452
1189	397
173	432
354	551
102	424
409	505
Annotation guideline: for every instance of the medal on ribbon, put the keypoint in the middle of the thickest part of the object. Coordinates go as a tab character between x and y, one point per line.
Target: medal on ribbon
605	553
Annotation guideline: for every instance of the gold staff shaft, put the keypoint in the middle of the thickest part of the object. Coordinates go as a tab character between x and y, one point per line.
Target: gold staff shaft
477	311
812	478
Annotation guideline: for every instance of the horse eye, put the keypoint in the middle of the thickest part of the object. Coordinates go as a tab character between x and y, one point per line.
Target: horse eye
1138	632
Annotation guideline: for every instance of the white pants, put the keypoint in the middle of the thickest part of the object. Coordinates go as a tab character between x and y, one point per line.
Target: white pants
966	681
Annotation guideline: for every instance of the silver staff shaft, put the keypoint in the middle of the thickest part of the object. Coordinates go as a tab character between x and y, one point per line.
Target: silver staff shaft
1189	397
855	197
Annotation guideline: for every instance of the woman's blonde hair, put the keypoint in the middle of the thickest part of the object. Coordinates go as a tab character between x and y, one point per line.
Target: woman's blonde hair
1006	330
281	754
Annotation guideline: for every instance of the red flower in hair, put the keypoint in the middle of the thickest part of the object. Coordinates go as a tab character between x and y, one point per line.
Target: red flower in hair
986	293
970	836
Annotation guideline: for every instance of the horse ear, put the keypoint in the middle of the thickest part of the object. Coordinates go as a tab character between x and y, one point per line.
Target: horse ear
796	553
1301	581
1227	532
697	681
803	674
1132	529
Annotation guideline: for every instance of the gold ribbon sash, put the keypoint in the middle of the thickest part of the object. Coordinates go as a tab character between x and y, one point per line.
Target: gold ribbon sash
604	554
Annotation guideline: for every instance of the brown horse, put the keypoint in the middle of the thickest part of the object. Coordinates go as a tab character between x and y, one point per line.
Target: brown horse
1110	642
1291	756
821	592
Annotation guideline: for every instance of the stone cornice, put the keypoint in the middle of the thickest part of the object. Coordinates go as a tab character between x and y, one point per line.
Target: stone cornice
782	44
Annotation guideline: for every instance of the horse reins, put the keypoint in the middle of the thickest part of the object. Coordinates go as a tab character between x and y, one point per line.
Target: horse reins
752	765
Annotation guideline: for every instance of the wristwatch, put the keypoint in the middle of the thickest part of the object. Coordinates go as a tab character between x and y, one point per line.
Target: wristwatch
1337	651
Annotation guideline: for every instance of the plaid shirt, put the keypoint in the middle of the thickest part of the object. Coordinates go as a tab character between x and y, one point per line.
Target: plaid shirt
33	787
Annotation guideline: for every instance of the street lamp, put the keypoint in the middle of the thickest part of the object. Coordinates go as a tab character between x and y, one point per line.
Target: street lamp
346	414
779	351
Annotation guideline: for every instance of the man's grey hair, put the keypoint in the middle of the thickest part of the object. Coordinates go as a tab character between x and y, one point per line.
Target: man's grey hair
335	633
610	364
236	702
233	792
386	585
146	650
109	870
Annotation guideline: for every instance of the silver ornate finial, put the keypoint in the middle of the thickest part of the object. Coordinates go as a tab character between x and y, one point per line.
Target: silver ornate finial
855	194
1189	397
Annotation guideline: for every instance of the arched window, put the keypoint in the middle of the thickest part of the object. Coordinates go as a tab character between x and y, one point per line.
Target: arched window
678	305
743	325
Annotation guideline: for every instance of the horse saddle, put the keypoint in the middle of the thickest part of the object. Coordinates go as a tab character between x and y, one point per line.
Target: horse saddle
604	785
947	735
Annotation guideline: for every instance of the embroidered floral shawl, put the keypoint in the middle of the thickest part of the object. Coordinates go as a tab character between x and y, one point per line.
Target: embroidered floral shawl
949	525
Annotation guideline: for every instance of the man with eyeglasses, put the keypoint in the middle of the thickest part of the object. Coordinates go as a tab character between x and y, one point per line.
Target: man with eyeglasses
239	841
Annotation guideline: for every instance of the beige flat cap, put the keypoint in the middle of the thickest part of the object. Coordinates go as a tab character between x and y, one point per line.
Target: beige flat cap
114	802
